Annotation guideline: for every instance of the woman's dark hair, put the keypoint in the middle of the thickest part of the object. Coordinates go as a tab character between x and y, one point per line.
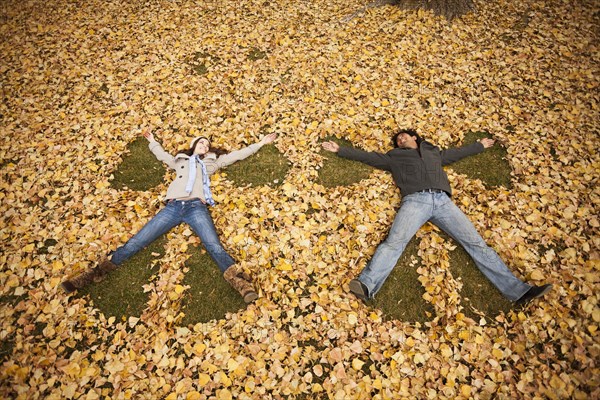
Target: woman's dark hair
411	132
217	150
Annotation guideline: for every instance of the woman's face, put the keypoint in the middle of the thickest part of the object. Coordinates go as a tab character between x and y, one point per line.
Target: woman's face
202	147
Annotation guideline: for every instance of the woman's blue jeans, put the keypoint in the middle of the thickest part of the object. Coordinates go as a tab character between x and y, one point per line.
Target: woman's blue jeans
192	212
417	209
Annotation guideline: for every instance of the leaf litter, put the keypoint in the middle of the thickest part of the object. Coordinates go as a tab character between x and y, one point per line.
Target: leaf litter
80	80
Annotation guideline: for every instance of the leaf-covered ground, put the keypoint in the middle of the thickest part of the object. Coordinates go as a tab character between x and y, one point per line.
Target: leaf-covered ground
80	79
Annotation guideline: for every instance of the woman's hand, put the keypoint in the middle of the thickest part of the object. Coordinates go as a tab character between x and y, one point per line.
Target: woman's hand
331	146
148	135
269	138
487	142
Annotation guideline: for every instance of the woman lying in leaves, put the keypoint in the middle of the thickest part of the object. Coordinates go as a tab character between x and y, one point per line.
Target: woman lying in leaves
187	200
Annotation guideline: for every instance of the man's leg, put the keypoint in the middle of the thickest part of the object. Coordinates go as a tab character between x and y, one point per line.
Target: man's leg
455	223
161	223
414	211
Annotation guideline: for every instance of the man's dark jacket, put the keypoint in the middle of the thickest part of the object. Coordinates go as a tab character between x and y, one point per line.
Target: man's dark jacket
415	170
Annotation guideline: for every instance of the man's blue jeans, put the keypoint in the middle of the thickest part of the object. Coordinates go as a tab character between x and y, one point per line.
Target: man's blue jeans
417	209
192	212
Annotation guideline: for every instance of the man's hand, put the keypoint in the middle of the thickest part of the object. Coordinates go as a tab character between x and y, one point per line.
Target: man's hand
331	146
487	142
269	138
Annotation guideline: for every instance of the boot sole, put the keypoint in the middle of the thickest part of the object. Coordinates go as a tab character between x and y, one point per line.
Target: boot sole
68	286
357	289
250	297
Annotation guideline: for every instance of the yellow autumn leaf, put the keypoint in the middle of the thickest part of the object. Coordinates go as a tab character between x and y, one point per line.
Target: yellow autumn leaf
497	353
193	395
29	248
284	265
203	379
465	390
537	275
352	318
596	315
357	364
179	289
199	348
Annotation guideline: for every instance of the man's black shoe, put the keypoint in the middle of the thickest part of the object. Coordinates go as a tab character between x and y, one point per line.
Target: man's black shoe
534	293
359	289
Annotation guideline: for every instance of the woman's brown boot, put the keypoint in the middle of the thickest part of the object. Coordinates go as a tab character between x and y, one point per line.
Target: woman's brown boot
241	282
95	274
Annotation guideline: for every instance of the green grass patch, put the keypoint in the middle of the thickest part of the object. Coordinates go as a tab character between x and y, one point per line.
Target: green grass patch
121	293
338	171
401	296
5	162
48	245
11	299
209	296
200	62
478	295
256	54
266	167
140	170
491	166
7	346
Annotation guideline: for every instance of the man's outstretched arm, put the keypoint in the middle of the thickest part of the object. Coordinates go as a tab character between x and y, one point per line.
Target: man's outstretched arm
452	155
374	159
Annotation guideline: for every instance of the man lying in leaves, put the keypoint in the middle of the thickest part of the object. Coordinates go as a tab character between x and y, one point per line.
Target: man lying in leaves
416	166
187	200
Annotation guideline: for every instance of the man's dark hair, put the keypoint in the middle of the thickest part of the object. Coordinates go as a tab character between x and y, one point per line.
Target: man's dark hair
411	132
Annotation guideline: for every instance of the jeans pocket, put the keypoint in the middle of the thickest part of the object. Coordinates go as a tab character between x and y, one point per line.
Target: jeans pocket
196	203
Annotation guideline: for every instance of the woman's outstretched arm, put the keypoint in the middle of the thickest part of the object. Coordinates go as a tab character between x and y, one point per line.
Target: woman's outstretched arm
157	149
238	155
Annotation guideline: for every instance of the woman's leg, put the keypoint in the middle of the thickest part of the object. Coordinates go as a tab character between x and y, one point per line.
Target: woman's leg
196	215
161	223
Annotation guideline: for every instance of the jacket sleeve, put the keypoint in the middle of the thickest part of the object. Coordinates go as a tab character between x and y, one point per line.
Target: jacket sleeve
374	159
452	155
161	154
237	155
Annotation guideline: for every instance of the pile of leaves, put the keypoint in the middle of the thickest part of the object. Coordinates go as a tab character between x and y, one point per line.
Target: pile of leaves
81	79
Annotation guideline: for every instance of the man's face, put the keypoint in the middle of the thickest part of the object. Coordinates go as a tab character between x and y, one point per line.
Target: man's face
405	141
